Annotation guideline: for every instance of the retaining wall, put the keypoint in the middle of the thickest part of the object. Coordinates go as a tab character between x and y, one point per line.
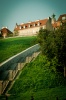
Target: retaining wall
18	57
12	66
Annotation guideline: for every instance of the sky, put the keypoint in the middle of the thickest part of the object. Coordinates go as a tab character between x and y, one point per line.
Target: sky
23	11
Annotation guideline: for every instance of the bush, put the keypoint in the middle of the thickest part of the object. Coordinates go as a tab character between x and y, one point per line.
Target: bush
53	44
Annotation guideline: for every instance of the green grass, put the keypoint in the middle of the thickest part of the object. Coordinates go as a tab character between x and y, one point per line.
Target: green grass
44	94
12	46
40	79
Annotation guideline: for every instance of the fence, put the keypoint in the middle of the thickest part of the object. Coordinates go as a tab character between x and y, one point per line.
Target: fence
10	68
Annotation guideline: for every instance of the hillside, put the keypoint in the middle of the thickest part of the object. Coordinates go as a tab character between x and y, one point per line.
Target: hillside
40	80
11	46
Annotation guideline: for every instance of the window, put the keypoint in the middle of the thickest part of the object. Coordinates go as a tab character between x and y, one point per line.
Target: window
29	25
63	18
34	24
24	26
38	23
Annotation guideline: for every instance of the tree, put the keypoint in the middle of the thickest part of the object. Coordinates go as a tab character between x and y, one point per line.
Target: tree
53	44
16	33
46	41
61	46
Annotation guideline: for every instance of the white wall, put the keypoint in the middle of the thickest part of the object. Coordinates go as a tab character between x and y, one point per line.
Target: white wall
33	31
29	32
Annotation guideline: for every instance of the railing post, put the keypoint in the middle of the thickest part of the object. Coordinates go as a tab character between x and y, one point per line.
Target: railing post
19	66
10	75
1	86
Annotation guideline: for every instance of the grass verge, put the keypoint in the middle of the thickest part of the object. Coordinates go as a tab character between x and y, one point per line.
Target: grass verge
11	46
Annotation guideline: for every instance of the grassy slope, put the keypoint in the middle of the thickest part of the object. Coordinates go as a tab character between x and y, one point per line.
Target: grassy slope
40	79
12	46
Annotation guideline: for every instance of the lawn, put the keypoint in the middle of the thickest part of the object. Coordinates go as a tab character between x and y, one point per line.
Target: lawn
12	46
40	80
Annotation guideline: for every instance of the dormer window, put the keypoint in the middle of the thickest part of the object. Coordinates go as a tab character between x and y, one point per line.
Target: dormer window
63	18
29	25
24	26
34	25
38	23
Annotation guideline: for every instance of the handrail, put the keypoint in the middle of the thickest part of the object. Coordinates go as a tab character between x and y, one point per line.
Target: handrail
17	57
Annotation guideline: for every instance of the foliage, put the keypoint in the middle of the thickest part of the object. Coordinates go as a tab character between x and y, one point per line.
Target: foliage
39	79
12	46
53	44
10	35
0	35
46	41
16	33
44	94
61	44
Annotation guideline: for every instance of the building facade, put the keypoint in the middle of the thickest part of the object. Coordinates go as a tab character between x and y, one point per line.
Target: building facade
31	28
58	23
5	32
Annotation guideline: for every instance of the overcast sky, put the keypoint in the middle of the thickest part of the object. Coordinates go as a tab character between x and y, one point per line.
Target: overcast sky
22	11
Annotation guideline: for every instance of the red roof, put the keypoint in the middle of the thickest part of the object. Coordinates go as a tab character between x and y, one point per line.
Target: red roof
60	17
5	30
31	24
